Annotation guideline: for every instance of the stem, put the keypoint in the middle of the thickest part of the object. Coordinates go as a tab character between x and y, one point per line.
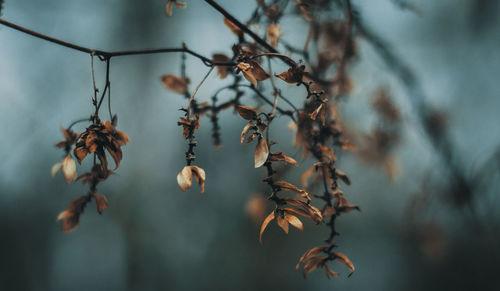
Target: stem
106	55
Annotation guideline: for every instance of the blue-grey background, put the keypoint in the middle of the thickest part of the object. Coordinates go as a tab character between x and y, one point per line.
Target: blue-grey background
155	237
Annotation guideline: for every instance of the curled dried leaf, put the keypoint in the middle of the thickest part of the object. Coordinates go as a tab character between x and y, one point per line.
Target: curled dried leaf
55	168
246	112
101	202
233	27
293	75
69	169
343	259
342	176
245	131
343	205
222	71
169	5
71	216
175	83
185	179
294	221
261	152
289	187
310	253
253	72
199	176
273	34
281	157
268	219
329	272
282	222
315	113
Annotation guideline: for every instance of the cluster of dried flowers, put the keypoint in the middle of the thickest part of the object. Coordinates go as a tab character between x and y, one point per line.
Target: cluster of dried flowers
98	140
317	124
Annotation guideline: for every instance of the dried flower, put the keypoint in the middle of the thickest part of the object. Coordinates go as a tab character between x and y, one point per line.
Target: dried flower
185	178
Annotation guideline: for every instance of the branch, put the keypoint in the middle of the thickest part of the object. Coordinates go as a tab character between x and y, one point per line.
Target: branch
103	55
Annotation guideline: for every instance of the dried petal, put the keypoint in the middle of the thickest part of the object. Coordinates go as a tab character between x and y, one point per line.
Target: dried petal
69	169
184	178
289	187
199	176
315	113
235	29
310	253
261	152
246	112
71	216
168	8
294	221
101	202
55	168
344	260
253	72
343	177
245	131
283	223
80	154
329	272
293	75
273	34
264	225
222	71
281	157
175	83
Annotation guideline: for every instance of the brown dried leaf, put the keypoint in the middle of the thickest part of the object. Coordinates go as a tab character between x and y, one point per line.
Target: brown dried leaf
184	178
69	169
80	154
310	253
199	176
281	157
175	83
235	29
222	71
282	222
251	137
298	212
315	113
294	221
245	131
168	6
343	205
264	225
261	152
328	211
55	168
253	72
343	259
304	178
101	202
312	264
246	112
329	272
289	187
71	216
343	177
293	75
273	34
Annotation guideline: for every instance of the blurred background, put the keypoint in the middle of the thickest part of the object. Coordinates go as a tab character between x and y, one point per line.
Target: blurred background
430	211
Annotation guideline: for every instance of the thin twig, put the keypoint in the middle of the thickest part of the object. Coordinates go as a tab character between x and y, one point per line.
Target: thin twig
105	54
198	87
